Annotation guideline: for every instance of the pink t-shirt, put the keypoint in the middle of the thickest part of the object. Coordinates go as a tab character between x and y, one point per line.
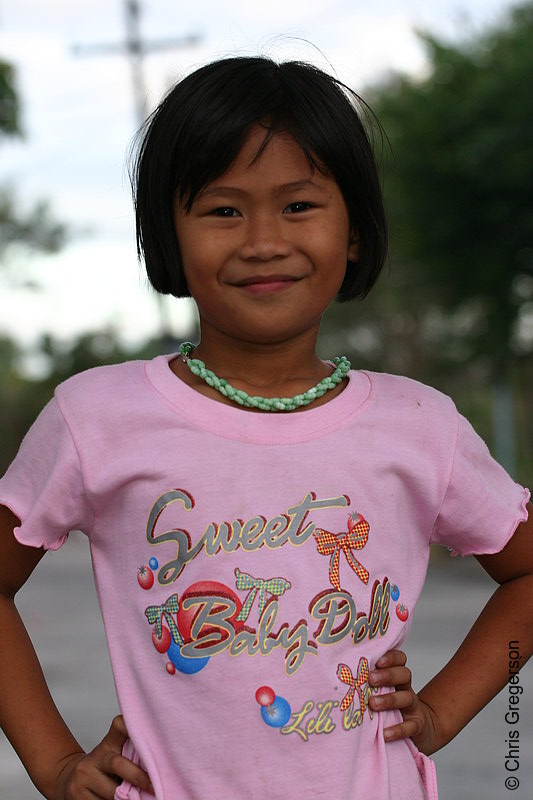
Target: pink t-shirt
251	568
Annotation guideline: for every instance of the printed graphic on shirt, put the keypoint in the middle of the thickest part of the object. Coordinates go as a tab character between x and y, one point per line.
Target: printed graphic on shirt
312	719
208	617
258	587
356	683
227	537
323	717
319	718
336	543
275	710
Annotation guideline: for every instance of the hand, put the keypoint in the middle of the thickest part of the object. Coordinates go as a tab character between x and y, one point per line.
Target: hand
419	722
88	776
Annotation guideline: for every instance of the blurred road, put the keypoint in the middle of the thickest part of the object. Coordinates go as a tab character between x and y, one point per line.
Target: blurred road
60	609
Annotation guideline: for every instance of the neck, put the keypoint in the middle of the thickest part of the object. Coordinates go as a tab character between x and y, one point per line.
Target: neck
262	366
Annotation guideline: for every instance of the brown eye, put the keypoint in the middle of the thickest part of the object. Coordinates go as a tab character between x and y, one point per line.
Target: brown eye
225	211
295	208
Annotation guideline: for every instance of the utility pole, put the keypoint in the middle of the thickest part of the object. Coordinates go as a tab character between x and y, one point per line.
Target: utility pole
135	48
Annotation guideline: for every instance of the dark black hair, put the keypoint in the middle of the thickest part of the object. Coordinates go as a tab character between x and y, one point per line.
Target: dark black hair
197	131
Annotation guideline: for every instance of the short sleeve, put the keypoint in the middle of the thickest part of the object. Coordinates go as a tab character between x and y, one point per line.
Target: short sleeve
43	486
482	506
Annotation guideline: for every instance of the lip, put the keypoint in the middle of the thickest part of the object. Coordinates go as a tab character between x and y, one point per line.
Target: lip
266	283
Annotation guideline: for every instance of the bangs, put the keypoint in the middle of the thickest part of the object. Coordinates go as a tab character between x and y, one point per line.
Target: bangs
221	125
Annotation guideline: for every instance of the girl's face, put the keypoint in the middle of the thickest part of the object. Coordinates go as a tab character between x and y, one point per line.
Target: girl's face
265	246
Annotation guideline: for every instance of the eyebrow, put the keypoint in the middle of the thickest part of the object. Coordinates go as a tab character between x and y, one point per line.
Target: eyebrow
285	187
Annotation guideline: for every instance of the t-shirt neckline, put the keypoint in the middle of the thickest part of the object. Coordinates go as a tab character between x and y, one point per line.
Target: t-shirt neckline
237	423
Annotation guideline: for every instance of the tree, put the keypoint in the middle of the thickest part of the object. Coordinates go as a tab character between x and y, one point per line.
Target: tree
462	145
35	230
458	189
9	106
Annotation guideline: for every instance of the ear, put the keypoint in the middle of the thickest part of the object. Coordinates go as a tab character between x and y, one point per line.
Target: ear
353	246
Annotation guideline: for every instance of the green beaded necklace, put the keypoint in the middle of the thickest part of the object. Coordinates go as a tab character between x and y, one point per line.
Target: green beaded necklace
198	368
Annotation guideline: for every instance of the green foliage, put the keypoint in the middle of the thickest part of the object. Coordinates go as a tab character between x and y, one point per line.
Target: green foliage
455	307
35	229
460	201
9	107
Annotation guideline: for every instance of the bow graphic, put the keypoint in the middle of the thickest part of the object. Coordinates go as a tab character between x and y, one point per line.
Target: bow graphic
332	544
261	586
155	614
344	673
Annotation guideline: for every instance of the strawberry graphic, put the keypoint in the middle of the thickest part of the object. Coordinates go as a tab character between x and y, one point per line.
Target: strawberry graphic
402	612
353	519
163	642
145	576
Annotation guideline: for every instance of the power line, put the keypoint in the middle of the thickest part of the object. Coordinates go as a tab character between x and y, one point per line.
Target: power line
135	48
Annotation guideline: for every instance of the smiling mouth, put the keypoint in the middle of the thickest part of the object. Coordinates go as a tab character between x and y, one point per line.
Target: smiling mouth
266	283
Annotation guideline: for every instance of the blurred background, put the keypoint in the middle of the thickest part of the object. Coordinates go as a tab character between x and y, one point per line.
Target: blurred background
450	82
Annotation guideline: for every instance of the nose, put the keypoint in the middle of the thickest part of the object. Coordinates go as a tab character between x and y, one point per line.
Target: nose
264	239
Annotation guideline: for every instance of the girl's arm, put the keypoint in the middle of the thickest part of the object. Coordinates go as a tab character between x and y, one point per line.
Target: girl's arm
54	760
480	667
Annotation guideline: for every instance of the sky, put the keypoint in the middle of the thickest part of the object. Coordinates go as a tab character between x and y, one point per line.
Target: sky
78	118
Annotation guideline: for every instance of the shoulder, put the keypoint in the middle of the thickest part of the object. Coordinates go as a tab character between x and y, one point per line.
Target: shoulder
405	392
107	379
410	403
102	391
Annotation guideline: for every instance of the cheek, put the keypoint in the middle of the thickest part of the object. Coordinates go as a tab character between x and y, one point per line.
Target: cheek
333	250
195	259
201	250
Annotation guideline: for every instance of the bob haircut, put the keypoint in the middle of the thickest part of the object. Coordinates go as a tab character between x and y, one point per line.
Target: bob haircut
198	129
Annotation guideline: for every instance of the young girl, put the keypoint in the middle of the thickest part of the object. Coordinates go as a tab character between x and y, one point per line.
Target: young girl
259	519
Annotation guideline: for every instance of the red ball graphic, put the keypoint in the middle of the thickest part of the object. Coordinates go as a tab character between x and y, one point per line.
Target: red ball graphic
171	669
186	616
265	696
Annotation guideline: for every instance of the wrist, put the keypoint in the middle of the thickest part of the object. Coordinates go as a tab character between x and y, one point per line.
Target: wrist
440	731
55	786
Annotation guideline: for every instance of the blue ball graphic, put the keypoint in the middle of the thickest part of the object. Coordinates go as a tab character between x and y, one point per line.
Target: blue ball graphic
278	714
186	665
394	592
153	563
